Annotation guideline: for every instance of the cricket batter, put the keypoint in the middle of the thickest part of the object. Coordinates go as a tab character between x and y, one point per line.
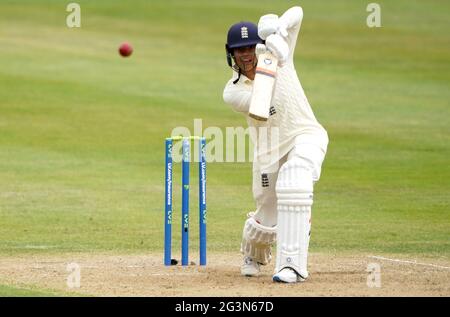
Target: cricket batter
282	185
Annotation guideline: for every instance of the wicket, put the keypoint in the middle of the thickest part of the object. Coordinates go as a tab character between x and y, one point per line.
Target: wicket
185	200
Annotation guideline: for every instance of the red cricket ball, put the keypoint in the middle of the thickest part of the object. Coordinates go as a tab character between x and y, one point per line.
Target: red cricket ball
125	49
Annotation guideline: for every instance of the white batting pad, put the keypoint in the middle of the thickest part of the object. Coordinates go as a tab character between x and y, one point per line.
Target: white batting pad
295	197
257	241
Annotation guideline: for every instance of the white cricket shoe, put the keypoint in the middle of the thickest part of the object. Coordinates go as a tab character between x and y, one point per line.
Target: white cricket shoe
288	275
250	267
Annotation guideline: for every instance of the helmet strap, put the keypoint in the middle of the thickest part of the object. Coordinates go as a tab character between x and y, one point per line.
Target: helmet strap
239	76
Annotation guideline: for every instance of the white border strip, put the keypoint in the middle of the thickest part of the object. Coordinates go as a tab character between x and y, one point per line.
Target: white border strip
408	262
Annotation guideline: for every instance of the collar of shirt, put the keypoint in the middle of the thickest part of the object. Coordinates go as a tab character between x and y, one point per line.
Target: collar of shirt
244	79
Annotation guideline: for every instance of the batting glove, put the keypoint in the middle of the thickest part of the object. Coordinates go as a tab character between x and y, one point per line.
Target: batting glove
268	24
260	49
278	47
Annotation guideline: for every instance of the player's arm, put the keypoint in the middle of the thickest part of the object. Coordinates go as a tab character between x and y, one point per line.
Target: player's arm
236	97
291	21
292	18
277	31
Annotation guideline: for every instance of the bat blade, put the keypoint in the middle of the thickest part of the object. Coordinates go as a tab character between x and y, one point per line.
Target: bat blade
263	87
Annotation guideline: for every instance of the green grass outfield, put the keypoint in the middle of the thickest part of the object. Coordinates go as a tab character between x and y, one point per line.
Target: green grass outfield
11	291
82	130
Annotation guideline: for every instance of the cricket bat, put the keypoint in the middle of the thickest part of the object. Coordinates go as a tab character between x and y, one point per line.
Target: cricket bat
263	87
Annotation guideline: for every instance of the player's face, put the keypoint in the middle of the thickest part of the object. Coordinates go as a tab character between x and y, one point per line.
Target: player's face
245	57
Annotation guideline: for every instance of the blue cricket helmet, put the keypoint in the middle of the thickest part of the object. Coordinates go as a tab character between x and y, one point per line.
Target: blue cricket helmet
240	35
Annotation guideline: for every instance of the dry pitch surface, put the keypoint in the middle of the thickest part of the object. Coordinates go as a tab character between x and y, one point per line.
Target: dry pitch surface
144	275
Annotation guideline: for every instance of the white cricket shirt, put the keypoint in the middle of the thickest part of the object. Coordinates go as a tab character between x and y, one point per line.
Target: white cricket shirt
291	114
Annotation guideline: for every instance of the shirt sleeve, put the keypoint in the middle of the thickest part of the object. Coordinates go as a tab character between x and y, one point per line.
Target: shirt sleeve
292	18
237	97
